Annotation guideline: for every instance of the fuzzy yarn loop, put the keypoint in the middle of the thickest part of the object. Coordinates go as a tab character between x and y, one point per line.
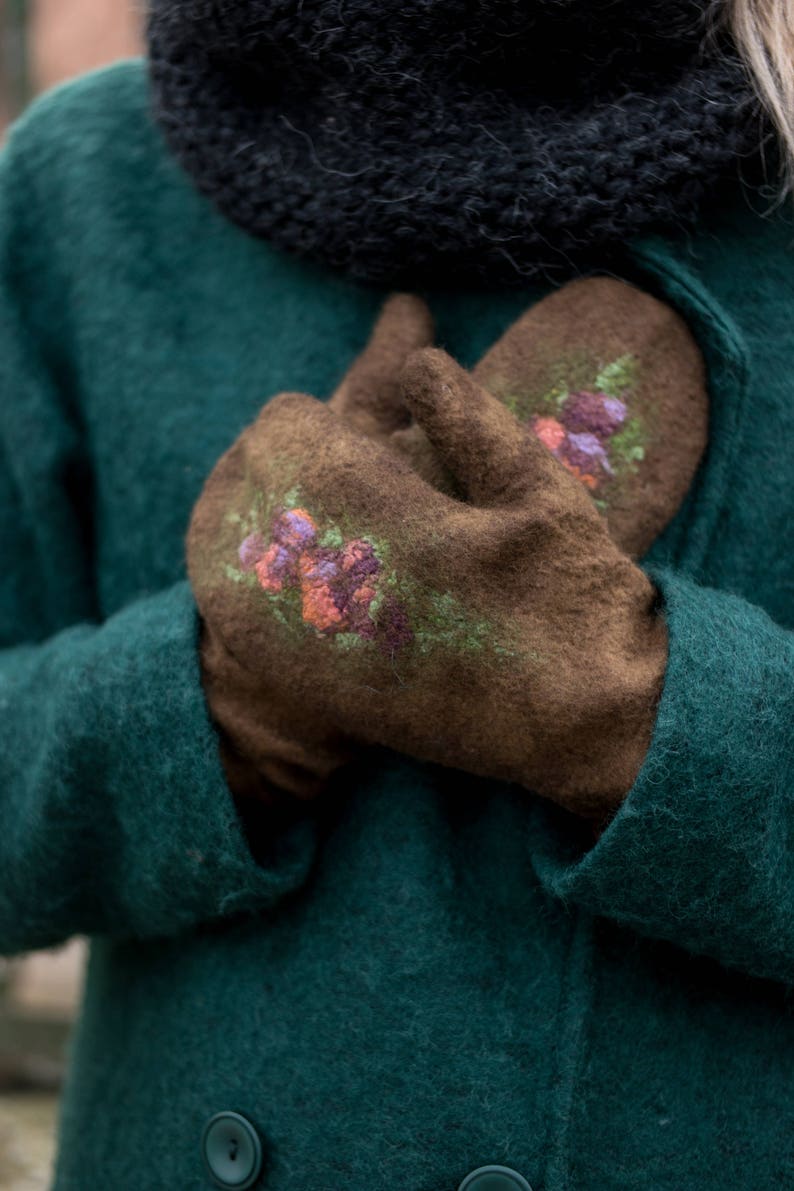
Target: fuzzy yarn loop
418	139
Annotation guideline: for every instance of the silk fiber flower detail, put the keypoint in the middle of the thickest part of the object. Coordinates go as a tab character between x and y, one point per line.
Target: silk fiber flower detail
337	581
318	577
588	423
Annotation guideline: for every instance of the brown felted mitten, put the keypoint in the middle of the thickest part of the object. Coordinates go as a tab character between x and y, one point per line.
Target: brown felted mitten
297	760
607	377
347	600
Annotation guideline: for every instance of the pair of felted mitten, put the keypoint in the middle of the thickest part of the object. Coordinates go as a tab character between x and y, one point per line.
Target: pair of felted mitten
422	564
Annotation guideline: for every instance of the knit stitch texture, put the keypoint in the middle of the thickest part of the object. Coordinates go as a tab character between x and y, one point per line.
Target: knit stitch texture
448	140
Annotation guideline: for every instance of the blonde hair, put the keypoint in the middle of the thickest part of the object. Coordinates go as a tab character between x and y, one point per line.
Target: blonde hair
764	33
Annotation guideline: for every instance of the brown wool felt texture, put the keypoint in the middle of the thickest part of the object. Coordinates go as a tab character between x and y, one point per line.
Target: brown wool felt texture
574	333
533	651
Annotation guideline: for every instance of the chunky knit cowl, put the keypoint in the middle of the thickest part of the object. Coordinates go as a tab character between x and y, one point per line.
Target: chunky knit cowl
451	140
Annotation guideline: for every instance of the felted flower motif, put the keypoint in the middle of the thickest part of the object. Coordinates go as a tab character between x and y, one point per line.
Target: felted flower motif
356	588
294	529
364	596
593	413
273	569
550	432
617	410
318	606
586	452
359	559
337	585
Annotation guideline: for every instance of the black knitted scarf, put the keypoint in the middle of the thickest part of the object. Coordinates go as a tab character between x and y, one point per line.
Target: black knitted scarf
450	140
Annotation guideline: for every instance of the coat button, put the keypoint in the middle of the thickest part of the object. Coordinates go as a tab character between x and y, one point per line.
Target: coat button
494	1178
232	1151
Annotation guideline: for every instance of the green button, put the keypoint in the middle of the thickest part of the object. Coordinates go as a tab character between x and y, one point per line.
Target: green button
232	1151
494	1178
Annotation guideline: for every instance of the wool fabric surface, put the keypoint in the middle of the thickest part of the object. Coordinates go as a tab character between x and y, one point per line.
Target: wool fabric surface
445	140
424	972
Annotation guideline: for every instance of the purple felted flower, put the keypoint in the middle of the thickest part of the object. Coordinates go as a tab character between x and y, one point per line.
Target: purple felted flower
585	452
359	560
324	564
592	413
354	588
294	529
616	409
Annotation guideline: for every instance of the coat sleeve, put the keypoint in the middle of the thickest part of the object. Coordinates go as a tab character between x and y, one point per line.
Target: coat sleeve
701	853
115	817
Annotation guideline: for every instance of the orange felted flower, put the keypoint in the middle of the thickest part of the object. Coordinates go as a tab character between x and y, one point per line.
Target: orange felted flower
550	432
318	605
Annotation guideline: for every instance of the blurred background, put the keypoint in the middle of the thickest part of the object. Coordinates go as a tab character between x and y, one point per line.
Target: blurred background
44	42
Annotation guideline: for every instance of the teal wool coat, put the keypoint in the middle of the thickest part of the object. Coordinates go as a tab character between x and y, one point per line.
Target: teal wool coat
424	973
